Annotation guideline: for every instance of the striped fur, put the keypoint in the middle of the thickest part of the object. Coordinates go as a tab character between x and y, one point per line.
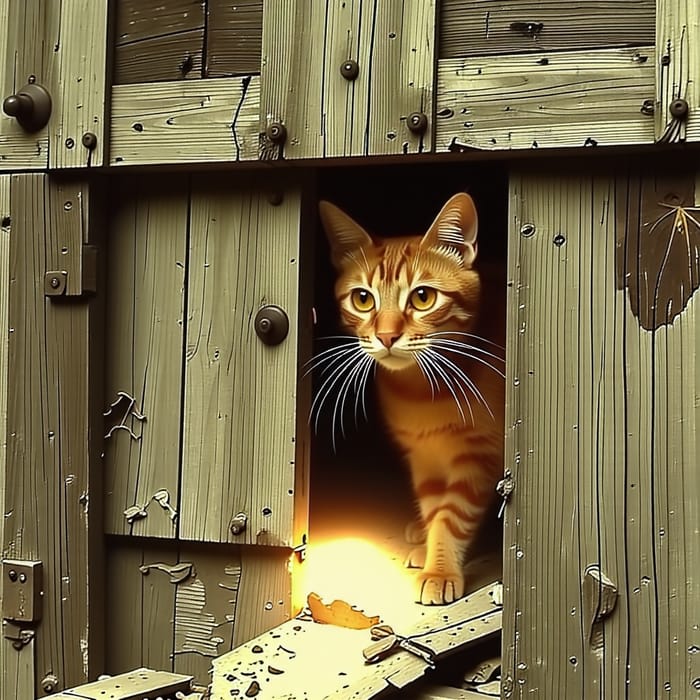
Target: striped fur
415	306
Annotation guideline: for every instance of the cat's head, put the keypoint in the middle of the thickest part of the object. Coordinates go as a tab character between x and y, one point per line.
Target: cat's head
394	293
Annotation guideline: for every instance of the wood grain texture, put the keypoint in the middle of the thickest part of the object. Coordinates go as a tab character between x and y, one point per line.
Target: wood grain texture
51	458
240	420
21	55
185	122
146	257
574	99
158	40
327	115
280	660
609	479
79	83
234	37
175	606
6	650
677	38
483	27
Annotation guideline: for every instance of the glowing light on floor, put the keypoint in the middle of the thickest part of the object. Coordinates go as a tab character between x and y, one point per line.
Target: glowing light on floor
358	572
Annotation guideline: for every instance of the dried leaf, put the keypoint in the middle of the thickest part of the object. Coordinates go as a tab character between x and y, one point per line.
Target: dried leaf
339	613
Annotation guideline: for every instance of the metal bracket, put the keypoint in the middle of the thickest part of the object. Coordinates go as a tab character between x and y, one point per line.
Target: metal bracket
22	598
56	281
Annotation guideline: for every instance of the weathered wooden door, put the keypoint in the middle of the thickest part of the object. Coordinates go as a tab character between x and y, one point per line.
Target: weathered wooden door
602	549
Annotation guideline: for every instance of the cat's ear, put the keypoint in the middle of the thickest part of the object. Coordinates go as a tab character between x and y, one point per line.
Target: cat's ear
344	234
455	227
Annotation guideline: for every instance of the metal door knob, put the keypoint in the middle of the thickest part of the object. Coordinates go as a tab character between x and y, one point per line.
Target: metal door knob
271	324
31	107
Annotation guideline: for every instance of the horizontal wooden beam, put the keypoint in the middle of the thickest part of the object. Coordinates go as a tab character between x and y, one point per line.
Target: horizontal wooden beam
198	121
574	98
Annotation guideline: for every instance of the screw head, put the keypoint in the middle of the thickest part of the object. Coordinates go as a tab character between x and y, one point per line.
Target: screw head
23	578
417	122
559	240
12	574
350	70
55	282
89	140
679	109
277	133
49	683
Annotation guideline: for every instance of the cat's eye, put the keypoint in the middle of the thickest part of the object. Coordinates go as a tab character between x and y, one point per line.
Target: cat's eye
423	298
362	300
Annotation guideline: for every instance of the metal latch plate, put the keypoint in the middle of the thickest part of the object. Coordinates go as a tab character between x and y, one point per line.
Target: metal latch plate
22	590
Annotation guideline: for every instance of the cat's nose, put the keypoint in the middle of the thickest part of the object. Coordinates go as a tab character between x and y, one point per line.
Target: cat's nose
388	339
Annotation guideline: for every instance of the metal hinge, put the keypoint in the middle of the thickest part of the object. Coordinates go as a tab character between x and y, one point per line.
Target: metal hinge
22	599
56	282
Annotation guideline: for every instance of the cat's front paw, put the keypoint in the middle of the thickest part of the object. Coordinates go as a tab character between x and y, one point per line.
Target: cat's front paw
439	589
415	558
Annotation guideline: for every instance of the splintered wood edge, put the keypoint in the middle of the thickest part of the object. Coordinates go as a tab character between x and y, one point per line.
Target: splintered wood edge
444	629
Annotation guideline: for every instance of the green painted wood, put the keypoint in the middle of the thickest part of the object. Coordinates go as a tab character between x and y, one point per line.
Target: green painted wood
158	40
53	486
326	115
234	38
23	53
146	262
240	396
601	426
484	27
677	27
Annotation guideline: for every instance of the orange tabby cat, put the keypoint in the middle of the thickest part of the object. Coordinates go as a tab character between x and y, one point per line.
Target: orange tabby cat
418	312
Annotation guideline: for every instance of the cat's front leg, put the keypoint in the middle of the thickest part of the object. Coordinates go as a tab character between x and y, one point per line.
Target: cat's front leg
451	525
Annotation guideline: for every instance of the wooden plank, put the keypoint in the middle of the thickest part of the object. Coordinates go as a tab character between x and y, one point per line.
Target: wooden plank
539	101
264	597
140	605
146	259
240	420
234	38
9	677
52	456
668	369
185	122
207	608
484	27
677	29
608	483
21	55
138	684
301	658
158	40
327	115
78	88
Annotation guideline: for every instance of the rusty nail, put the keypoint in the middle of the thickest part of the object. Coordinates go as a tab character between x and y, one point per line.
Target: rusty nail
49	683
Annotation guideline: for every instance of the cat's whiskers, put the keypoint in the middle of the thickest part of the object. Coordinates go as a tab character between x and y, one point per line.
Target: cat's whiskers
430	359
339	406
461	374
346	368
467	335
468	351
425	369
